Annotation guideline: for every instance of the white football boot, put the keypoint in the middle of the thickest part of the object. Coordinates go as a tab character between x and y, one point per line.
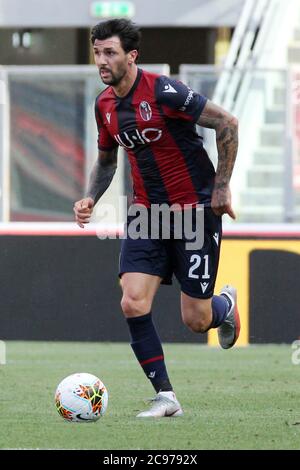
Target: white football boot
229	330
165	404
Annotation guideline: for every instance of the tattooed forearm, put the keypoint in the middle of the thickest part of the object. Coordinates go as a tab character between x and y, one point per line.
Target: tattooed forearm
227	144
226	127
101	177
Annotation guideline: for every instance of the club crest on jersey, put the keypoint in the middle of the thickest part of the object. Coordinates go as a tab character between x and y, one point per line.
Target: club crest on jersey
145	111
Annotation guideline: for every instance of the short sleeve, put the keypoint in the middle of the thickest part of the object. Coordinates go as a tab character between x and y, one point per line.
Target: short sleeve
177	100
105	140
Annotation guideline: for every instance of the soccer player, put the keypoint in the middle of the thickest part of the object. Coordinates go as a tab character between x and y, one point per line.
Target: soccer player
154	118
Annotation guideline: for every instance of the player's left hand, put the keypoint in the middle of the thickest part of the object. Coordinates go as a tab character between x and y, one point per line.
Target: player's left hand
221	201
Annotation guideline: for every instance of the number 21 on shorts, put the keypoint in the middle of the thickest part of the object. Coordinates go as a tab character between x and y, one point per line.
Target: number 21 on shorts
195	260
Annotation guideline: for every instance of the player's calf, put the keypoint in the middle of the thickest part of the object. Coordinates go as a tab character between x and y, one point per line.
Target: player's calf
196	313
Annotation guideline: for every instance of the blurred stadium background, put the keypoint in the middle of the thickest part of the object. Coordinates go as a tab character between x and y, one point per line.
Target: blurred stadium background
58	282
59	289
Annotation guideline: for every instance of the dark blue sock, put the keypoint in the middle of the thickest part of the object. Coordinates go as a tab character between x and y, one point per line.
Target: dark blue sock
148	350
220	307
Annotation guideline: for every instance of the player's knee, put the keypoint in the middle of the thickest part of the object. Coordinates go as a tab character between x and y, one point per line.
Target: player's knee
133	305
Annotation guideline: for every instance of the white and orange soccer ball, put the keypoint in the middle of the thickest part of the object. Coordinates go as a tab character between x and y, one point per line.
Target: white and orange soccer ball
81	398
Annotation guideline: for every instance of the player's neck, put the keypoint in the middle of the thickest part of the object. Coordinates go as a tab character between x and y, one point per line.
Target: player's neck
123	88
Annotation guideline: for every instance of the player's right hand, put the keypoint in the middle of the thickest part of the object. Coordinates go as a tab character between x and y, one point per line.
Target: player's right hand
83	210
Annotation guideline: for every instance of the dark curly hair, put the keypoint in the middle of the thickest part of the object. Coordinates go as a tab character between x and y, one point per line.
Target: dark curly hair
126	30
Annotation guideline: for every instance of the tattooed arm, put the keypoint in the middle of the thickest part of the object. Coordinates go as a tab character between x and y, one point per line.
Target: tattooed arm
226	127
100	179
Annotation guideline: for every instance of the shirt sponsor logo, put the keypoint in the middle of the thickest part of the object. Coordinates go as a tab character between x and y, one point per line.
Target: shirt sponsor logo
131	140
187	101
145	111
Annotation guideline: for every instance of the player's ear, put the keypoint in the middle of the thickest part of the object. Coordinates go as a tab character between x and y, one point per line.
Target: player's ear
132	56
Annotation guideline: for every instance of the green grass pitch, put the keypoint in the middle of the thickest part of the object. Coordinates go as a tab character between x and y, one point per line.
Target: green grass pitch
245	398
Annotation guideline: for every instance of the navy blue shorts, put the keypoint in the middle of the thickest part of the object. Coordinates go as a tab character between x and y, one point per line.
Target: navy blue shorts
195	269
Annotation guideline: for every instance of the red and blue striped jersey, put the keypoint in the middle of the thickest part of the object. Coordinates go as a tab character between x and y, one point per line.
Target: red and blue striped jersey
156	125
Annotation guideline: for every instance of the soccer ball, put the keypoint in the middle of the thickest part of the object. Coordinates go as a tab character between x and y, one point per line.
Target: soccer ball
81	398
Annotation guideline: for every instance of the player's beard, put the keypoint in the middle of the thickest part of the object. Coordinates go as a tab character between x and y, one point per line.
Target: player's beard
114	78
